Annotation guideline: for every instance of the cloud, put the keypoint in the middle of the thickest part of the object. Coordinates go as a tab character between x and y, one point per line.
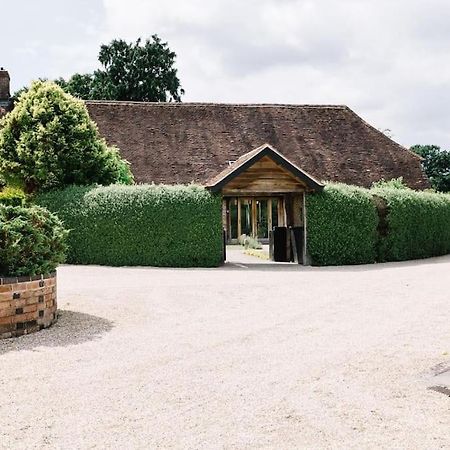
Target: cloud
387	60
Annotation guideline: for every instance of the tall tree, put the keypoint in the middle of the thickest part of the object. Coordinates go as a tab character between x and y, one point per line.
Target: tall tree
436	163
131	71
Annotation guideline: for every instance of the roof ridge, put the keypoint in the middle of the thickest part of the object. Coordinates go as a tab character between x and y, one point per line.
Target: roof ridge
234	105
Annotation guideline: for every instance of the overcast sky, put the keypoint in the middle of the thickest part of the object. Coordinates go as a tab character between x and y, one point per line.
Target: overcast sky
389	60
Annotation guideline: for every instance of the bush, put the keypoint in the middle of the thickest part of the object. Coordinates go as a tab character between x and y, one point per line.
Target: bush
394	183
12	197
249	242
417	224
32	241
48	141
341	226
175	226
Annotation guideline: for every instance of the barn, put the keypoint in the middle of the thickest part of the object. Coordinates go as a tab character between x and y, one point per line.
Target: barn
263	159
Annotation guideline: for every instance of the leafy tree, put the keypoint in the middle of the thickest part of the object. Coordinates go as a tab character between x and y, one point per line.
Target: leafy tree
436	164
48	141
136	72
79	85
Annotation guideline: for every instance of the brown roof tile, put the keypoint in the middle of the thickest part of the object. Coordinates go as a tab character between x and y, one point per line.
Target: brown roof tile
184	142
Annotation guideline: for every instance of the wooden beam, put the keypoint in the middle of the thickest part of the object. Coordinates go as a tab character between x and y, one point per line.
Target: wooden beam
269	216
306	261
239	226
254	218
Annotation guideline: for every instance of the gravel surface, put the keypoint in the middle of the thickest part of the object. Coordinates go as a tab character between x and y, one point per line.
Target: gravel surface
248	356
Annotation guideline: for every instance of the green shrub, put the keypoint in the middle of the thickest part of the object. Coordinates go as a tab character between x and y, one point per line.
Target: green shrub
394	183
178	226
48	141
341	226
249	242
10	196
417	224
32	241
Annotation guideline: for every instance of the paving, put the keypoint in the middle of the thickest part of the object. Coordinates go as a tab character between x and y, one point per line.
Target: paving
250	356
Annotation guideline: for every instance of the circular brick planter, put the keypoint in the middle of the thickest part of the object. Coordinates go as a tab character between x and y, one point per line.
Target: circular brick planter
27	304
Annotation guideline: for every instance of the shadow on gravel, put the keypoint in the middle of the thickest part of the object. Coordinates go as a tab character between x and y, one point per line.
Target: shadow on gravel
291	267
72	328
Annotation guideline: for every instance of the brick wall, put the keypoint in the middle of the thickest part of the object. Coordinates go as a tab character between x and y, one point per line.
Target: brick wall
27	304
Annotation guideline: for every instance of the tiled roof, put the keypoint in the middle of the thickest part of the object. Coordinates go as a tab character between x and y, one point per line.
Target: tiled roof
193	142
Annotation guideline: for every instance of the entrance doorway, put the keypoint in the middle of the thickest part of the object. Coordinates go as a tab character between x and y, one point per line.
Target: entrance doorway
253	216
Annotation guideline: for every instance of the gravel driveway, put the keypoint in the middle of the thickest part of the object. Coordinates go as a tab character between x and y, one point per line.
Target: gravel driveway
255	356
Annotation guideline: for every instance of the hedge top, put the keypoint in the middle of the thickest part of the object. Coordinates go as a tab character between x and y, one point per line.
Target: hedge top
156	225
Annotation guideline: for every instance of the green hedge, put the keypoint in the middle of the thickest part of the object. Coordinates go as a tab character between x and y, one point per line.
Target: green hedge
341	225
418	224
12	197
32	241
351	225
176	226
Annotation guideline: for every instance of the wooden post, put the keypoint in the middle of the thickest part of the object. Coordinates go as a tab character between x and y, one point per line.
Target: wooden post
239	226
225	218
269	216
254	218
293	245
281	212
306	261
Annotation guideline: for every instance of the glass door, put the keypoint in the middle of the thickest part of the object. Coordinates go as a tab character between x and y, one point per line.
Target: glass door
262	218
253	216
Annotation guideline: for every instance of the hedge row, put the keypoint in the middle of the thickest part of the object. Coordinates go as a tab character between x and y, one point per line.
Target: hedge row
341	225
176	226
418	224
351	225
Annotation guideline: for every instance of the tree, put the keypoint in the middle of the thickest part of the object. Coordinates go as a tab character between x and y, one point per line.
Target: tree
48	141
436	164
134	72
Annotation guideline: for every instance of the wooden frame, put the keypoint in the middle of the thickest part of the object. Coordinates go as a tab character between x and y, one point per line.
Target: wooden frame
266	151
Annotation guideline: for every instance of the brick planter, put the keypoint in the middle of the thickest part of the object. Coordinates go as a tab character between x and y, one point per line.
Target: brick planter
27	304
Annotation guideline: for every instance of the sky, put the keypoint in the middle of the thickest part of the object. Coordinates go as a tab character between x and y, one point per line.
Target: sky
388	60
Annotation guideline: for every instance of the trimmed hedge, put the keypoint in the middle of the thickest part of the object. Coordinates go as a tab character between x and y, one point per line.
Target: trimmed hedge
32	241
341	225
155	225
417	223
351	225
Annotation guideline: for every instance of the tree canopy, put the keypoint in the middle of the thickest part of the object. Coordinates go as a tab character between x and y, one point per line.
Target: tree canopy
139	71
436	164
48	141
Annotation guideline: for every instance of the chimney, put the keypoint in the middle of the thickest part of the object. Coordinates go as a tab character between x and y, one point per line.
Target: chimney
4	85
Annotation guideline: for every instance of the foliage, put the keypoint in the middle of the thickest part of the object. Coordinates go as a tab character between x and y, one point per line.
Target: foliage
131	71
10	196
249	242
32	241
436	164
394	183
341	225
418	224
350	225
48	141
178	226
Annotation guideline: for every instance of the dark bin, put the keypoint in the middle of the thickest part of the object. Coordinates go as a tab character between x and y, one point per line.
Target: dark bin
280	237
